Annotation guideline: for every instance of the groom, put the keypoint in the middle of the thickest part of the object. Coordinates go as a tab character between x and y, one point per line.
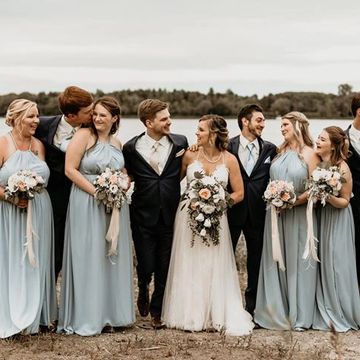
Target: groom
55	133
353	133
254	156
153	160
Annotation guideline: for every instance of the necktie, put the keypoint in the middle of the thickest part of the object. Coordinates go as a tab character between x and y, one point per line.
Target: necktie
65	142
154	158
251	158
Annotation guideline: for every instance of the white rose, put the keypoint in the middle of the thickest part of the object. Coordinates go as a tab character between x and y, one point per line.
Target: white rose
203	232
114	189
200	217
277	203
207	223
336	175
316	175
207	180
192	194
208	209
30	182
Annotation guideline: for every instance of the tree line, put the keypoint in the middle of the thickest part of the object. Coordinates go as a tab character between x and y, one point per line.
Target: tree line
194	104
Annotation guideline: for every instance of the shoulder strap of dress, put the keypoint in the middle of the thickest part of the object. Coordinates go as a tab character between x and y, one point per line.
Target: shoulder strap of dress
13	140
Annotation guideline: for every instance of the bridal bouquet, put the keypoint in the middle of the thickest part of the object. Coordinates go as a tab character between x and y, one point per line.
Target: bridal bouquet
23	185
110	189
280	194
207	202
325	182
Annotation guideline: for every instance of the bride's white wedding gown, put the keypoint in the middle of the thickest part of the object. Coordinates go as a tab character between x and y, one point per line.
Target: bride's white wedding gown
202	289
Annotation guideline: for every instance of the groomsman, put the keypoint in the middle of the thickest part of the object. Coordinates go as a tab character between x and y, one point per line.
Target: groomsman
254	156
353	132
55	132
153	160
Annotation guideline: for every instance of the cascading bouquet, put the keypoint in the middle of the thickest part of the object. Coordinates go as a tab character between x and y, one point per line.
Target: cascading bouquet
207	200
279	195
24	185
111	190
324	181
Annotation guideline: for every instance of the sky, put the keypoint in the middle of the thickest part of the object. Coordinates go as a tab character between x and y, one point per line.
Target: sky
251	47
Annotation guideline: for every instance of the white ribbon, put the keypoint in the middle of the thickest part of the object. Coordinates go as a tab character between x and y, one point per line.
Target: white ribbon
310	245
29	236
276	249
113	231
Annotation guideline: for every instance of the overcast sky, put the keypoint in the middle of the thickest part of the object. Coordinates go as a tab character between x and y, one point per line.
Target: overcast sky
250	47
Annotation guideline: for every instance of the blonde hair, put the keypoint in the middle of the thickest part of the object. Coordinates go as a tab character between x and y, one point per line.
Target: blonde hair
301	130
17	111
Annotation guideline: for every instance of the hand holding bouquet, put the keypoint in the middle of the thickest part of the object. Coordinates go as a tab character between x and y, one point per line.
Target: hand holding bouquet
23	185
280	194
208	200
325	182
110	189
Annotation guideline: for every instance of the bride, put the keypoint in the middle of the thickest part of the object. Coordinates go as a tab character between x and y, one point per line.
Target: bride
202	290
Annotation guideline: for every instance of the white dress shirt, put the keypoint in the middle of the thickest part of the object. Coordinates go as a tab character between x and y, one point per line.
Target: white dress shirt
63	131
243	152
354	135
144	146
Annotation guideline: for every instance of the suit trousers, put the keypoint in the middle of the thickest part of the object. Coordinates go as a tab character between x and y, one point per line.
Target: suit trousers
153	251
254	244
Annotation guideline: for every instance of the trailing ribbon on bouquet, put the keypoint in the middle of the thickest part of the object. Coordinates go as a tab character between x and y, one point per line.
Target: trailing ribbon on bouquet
276	249
310	245
29	236
113	231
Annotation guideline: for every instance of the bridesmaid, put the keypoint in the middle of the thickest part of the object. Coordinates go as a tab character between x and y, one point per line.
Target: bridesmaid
286	299
96	290
27	291
337	293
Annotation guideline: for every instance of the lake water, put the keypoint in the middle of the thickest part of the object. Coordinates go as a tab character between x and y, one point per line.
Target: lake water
187	127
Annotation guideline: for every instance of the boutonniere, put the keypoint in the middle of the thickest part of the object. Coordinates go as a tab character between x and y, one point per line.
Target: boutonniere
180	153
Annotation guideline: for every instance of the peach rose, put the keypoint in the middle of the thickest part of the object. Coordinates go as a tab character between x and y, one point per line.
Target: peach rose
205	193
285	197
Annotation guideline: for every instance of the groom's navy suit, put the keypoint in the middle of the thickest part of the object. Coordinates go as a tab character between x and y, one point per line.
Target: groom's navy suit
354	165
59	185
249	215
152	212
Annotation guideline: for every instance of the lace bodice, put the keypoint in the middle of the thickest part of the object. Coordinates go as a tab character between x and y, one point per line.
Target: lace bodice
221	172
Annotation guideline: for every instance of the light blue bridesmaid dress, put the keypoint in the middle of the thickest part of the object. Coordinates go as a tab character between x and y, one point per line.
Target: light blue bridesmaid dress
96	290
27	293
286	299
337	293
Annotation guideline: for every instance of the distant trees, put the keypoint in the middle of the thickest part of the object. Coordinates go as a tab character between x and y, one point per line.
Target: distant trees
194	103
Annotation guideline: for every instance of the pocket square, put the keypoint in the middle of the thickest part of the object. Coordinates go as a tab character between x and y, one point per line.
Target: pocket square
267	160
179	153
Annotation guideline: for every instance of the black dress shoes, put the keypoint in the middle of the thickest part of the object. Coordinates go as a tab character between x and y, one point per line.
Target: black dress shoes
143	302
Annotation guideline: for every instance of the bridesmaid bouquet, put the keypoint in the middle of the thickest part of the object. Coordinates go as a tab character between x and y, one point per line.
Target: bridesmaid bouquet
23	185
280	194
207	202
323	182
110	189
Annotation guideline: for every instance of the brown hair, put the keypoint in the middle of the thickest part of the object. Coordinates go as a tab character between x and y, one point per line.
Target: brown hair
355	103
148	108
340	142
246	112
218	126
17	111
301	130
72	99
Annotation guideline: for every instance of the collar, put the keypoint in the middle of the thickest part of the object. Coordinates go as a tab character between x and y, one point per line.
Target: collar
164	141
354	132
244	142
66	126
